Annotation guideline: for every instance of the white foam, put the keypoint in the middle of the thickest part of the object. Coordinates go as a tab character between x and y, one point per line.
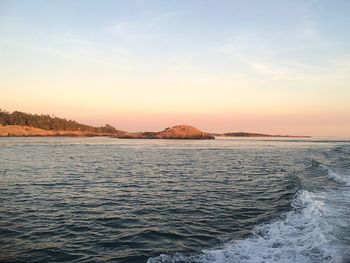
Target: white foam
342	178
301	235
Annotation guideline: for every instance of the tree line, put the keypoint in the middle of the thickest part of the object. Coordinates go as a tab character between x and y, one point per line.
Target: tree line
47	122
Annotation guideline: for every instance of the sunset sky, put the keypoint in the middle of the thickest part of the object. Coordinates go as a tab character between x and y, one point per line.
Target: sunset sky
255	66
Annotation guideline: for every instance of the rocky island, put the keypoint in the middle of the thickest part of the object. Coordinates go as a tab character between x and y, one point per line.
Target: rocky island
176	132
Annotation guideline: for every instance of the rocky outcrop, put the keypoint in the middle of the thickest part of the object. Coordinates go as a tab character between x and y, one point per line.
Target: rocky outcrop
176	132
17	130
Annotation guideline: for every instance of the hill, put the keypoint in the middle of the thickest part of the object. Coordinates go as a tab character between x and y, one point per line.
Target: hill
176	132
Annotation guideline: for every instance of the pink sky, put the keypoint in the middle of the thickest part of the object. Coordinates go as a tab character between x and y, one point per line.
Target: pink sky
314	124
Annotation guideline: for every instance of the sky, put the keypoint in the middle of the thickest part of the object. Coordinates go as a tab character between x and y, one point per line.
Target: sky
280	67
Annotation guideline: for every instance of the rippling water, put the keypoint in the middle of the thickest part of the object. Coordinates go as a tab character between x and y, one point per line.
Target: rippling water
228	200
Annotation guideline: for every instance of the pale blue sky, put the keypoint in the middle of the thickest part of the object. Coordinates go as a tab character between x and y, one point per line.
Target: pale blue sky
285	59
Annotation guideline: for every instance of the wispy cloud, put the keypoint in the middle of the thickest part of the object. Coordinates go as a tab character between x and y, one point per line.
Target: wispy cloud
272	72
124	30
272	59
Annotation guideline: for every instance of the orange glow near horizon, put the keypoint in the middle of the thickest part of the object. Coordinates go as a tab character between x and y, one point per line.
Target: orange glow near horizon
312	123
144	105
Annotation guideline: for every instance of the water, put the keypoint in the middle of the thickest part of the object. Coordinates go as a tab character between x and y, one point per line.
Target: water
228	200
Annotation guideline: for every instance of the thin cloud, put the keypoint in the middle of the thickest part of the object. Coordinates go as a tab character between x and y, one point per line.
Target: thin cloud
124	30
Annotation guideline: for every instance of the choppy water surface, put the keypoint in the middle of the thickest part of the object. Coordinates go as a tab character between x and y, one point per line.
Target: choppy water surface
228	200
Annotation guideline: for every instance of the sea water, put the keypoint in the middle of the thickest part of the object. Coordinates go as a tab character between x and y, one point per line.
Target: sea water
224	200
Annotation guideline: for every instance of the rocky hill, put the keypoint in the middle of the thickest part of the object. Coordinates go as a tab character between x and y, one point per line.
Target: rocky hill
176	132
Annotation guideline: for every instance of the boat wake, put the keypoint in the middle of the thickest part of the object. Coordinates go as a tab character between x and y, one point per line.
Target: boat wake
308	233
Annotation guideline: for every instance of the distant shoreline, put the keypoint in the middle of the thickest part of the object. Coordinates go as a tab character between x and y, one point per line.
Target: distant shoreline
21	124
255	135
27	131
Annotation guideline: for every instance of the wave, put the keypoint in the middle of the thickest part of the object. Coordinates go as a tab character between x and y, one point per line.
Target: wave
340	178
300	235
